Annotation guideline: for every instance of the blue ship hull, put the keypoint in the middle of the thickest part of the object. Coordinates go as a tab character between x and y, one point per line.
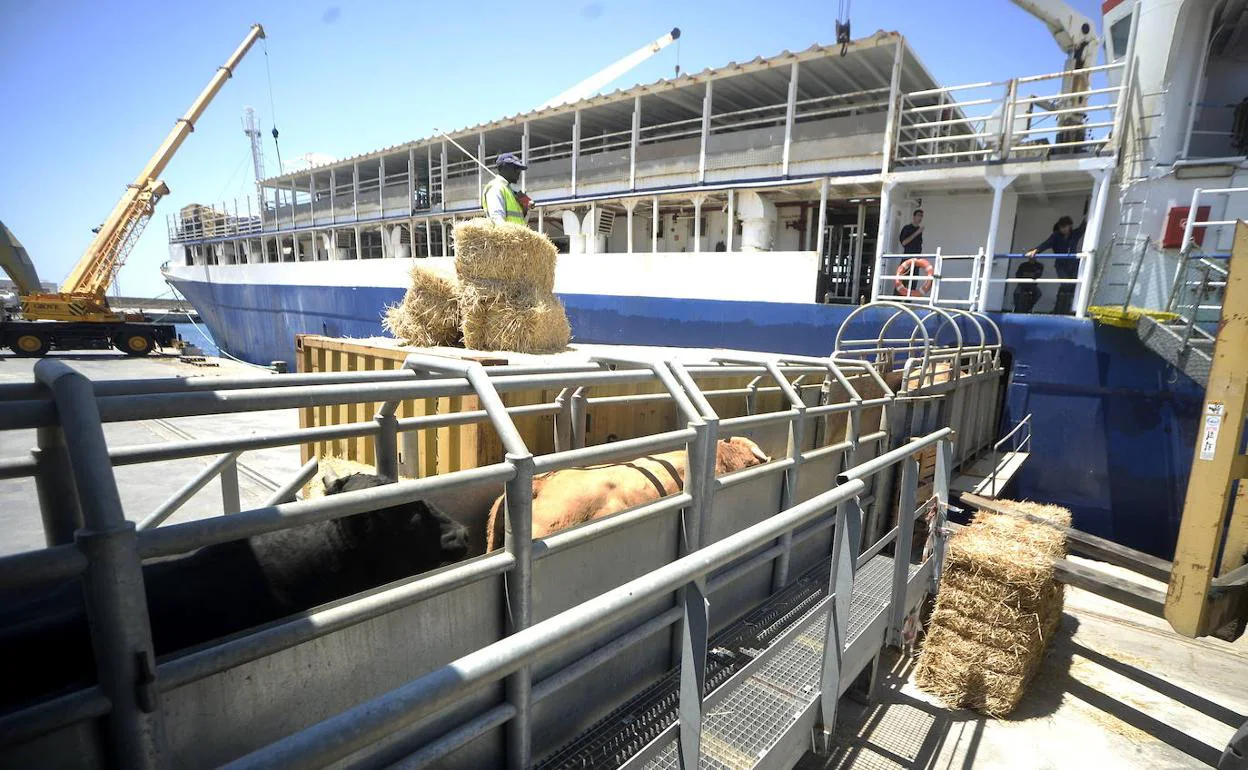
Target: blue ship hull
1114	425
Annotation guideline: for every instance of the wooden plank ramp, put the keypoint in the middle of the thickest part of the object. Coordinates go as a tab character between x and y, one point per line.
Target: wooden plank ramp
1129	593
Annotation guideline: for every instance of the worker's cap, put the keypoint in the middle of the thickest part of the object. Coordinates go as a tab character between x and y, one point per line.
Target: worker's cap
509	159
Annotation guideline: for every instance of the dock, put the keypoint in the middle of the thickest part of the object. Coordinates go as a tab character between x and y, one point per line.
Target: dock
259	474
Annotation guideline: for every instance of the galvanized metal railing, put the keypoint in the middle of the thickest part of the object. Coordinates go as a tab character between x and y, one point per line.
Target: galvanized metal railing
346	733
992	121
89	536
1198	266
942	289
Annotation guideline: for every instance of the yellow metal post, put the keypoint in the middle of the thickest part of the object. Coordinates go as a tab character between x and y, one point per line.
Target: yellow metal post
1213	534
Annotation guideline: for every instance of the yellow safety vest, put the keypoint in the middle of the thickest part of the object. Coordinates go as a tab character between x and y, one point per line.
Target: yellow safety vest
514	212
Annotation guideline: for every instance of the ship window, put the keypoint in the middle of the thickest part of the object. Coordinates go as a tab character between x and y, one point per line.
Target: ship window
1119	36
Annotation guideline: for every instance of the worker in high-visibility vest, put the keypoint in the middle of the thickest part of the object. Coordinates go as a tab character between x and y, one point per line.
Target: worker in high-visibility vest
501	203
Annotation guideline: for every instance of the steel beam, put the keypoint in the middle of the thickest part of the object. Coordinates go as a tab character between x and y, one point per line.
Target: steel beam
1213	532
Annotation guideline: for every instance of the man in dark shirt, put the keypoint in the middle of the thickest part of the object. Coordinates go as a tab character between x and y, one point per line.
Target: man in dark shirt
1065	239
912	234
1026	295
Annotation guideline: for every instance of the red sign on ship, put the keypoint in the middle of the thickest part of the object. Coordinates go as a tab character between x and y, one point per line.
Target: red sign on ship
1176	223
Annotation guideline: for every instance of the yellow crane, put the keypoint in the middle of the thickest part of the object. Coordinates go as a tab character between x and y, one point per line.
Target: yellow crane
81	299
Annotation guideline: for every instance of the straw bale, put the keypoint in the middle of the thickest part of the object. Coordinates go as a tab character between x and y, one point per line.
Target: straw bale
520	321
1007	550
429	314
956	673
994	602
1026	633
996	611
504	256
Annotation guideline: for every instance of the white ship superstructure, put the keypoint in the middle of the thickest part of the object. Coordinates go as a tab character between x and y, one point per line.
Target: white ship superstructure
754	205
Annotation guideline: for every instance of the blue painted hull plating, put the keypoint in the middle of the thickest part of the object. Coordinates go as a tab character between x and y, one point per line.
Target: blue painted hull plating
1113	424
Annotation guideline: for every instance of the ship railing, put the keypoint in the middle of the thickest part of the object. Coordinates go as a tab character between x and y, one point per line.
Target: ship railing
90	537
207	222
910	283
1200	277
933	350
903	278
1018	439
1081	282
1010	121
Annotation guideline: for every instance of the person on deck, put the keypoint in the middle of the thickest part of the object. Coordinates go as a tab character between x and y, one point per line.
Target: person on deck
500	201
911	236
1064	240
1026	295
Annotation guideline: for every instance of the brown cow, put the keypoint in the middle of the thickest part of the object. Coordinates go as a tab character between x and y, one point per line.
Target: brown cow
563	499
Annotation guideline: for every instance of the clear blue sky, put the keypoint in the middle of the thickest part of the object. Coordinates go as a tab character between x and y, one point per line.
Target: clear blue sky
91	88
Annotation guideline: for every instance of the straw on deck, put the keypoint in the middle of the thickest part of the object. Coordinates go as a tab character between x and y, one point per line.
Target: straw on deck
996	611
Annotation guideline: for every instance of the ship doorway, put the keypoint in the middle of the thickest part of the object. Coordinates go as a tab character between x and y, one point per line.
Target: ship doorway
848	258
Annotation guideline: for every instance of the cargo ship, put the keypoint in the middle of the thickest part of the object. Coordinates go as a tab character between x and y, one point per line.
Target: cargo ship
756	205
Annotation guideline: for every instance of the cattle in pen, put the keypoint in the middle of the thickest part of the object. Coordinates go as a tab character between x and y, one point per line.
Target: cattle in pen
226	588
565	498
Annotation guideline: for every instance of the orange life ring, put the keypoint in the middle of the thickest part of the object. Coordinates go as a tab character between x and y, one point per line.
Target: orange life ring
908	269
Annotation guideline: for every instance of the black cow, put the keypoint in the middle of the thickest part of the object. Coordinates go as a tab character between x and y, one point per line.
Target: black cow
222	589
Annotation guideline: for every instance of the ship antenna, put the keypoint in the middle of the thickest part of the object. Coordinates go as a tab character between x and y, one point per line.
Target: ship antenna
268	75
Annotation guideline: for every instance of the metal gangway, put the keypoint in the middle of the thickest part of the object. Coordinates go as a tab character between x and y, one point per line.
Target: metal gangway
472	665
1185	334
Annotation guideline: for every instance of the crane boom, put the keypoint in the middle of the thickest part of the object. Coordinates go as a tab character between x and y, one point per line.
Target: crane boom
16	262
82	294
1074	33
596	81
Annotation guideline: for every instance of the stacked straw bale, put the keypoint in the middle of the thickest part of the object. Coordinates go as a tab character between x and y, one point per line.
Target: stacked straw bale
507	278
997	609
429	315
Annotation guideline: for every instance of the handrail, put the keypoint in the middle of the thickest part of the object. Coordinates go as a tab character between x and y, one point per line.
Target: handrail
345	733
429	376
1018	447
971	128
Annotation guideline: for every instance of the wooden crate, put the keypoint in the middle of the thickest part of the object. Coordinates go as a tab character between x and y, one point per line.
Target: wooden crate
430	452
422	452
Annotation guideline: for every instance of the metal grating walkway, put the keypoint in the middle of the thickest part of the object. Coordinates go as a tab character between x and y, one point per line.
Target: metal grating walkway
756	688
753	715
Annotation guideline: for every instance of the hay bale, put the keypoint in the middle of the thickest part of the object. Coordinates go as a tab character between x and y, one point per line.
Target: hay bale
429	314
504	256
996	611
516	321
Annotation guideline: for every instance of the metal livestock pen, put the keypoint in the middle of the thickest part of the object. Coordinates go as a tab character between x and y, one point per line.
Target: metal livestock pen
482	652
